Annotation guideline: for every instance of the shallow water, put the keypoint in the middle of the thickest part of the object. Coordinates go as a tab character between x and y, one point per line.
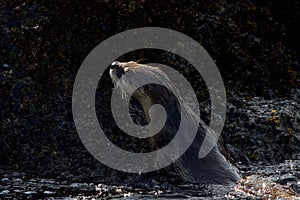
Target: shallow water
259	182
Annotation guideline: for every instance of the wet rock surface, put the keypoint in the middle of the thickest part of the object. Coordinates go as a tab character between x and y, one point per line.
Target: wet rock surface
259	182
33	188
265	131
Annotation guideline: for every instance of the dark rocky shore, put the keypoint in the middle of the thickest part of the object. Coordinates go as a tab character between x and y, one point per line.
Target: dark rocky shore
254	44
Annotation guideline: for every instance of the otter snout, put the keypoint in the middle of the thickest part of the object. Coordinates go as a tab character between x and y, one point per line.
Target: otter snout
116	70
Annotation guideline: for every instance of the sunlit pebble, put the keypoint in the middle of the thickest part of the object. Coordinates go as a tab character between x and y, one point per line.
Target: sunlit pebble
119	190
229	196
98	187
127	194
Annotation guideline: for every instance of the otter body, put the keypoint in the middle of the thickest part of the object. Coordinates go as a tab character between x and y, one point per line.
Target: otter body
213	168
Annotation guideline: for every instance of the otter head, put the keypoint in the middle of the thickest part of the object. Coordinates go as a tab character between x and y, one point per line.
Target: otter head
128	76
117	69
136	74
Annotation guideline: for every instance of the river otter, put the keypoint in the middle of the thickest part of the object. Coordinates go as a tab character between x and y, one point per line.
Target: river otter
213	168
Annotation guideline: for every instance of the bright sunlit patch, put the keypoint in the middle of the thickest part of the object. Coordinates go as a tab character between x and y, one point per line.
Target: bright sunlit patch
262	187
